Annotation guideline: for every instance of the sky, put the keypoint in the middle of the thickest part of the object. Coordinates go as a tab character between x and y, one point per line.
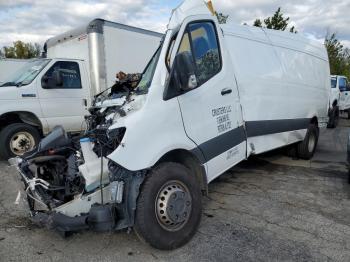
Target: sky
38	20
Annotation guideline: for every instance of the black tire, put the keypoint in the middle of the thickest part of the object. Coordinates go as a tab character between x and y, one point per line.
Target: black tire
8	132
147	223
307	147
348	111
334	118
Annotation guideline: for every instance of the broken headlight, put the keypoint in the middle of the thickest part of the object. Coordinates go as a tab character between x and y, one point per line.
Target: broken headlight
116	134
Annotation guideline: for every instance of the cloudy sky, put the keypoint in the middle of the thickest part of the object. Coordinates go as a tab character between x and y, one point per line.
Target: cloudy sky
37	20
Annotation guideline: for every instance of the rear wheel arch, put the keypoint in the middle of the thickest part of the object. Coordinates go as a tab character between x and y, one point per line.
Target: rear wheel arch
335	103
189	160
314	121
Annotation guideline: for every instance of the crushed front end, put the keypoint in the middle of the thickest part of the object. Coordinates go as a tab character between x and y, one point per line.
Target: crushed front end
68	184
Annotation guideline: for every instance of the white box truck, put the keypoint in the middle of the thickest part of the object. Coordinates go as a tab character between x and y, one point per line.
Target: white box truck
8	66
32	102
210	97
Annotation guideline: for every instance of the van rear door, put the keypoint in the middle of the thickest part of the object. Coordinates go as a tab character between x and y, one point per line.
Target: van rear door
211	112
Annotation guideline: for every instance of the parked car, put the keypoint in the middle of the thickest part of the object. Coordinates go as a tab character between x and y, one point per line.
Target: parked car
58	89
211	96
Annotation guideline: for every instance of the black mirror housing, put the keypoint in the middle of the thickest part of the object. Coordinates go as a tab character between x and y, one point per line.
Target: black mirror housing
182	76
57	77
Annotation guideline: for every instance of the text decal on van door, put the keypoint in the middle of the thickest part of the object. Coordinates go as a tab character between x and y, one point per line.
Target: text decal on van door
222	115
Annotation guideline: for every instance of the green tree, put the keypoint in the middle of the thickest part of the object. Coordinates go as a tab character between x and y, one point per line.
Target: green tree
339	57
22	50
277	22
221	18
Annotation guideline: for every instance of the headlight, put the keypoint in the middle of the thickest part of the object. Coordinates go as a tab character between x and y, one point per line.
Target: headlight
116	134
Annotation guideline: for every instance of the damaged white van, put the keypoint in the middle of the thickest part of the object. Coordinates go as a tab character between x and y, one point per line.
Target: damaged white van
211	96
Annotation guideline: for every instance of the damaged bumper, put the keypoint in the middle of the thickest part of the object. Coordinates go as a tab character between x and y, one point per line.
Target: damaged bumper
111	209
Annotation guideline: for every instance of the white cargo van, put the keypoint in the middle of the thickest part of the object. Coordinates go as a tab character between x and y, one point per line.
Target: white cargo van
334	102
340	85
8	66
211	96
58	89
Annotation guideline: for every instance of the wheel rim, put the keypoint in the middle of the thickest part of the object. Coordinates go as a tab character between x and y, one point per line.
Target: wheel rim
21	142
173	205
312	142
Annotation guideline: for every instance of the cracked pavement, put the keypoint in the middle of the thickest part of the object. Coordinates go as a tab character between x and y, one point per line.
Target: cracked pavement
269	208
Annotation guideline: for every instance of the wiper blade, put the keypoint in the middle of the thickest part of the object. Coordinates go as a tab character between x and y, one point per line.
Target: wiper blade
9	84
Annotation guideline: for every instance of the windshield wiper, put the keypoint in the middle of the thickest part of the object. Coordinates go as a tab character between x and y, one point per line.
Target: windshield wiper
9	84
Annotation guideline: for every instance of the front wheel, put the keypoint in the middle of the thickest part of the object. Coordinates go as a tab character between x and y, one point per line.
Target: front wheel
307	147
17	139
169	207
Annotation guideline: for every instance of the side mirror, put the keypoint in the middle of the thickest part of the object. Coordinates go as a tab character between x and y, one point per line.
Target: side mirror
182	76
57	77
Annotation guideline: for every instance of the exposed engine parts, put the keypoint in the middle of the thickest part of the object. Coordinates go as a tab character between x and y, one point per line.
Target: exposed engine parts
70	184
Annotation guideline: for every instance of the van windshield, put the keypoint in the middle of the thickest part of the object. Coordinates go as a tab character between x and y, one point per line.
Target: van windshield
26	74
147	75
333	82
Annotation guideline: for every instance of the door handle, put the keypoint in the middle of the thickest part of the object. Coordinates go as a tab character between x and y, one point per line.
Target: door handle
226	91
84	102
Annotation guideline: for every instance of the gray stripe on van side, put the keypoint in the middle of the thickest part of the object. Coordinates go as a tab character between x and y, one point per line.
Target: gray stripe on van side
222	143
268	127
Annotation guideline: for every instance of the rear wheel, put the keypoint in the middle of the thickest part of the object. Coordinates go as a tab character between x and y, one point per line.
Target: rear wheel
334	118
307	147
169	207
17	139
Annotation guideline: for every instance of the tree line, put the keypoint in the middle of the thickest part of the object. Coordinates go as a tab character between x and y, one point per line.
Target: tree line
339	56
21	50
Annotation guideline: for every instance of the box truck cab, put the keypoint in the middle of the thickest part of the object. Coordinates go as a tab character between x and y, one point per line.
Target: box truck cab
211	96
58	89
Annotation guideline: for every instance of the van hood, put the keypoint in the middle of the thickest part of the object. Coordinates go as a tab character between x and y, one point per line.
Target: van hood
185	9
8	92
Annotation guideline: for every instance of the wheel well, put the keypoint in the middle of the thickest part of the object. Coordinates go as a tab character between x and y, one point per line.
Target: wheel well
20	117
314	121
190	161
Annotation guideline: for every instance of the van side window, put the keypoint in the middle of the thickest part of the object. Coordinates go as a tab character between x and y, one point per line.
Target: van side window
70	76
205	50
342	84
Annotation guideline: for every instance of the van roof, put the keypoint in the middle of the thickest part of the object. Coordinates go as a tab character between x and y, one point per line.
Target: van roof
95	25
284	39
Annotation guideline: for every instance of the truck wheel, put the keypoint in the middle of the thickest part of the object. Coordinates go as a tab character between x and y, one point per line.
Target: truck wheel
307	147
16	139
334	118
169	207
348	113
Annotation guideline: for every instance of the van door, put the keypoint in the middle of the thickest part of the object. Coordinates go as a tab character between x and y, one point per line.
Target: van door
211	112
64	103
344	93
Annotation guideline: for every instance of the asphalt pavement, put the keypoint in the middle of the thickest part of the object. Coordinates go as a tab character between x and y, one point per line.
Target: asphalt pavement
269	208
